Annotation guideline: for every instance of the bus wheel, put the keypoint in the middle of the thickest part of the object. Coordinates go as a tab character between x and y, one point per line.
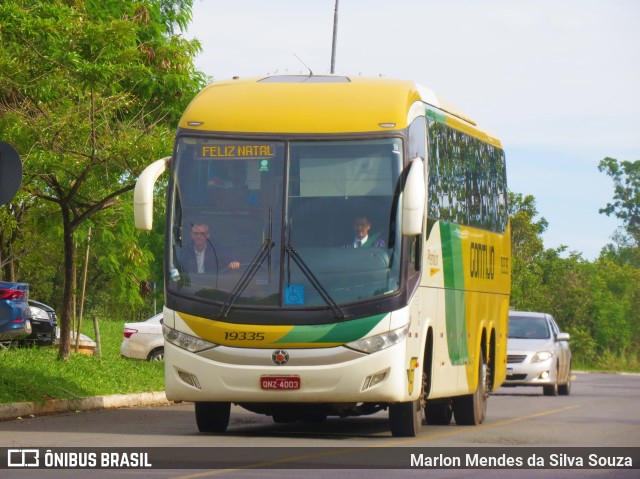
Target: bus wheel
470	410
405	418
212	416
438	413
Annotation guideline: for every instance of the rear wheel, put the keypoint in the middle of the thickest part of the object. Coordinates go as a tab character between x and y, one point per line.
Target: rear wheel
471	410
438	414
157	355
212	416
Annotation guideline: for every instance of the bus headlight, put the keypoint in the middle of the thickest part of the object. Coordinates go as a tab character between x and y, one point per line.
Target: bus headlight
381	341
185	341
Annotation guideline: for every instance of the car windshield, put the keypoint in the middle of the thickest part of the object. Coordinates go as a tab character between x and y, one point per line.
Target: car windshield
525	327
275	224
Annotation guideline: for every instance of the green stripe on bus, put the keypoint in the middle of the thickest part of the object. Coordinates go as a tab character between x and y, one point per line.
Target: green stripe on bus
343	332
436	116
455	301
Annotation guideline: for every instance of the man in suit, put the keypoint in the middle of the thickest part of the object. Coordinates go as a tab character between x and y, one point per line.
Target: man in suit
200	256
362	238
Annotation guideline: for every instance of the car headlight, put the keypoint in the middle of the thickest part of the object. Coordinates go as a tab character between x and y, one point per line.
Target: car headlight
380	341
541	356
38	313
186	341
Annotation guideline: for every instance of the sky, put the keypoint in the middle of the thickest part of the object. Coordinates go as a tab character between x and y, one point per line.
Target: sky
556	81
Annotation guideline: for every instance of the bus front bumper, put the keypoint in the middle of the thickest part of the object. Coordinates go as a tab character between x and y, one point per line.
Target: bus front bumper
383	377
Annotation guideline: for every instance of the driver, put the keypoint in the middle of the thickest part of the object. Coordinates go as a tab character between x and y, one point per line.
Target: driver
201	256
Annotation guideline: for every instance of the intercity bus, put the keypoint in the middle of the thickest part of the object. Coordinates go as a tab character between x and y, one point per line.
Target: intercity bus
281	313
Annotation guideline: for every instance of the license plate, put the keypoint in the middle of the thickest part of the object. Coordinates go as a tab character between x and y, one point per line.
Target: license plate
280	383
509	371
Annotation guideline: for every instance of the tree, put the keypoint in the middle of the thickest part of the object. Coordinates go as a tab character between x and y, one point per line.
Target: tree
626	196
89	93
526	246
526	232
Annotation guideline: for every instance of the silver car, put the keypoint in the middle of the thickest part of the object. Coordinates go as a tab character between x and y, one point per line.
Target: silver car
143	340
538	354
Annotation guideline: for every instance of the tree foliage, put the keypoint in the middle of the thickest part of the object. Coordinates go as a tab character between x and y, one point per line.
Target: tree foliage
597	302
626	207
90	92
626	197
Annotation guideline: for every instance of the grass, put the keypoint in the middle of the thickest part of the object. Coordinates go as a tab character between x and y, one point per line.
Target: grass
35	375
608	361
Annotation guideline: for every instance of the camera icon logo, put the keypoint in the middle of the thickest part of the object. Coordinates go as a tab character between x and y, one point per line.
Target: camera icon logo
23	458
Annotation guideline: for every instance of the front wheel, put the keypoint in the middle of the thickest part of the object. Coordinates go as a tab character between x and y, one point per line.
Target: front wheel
551	390
565	389
405	418
212	416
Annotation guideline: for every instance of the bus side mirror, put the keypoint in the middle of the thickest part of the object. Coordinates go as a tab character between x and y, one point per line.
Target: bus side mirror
413	199
143	193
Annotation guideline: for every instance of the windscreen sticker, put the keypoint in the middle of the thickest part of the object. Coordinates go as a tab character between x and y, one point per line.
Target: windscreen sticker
263	165
294	294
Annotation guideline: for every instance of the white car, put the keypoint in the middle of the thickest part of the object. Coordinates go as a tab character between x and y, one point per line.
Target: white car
144	340
538	354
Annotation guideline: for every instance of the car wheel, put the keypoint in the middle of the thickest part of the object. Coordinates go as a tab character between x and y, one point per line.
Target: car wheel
157	355
565	389
551	390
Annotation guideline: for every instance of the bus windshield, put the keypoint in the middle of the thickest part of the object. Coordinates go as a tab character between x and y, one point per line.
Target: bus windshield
282	224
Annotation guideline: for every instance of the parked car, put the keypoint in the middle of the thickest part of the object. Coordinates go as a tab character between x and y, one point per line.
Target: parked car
538	354
43	323
144	340
15	315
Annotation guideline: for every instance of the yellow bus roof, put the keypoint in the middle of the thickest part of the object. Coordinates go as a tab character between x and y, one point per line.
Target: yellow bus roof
299	104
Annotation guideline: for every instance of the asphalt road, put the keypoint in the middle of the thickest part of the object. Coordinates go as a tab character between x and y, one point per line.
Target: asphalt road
602	411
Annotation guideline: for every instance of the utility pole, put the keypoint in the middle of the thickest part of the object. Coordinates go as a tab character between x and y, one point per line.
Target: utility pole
335	35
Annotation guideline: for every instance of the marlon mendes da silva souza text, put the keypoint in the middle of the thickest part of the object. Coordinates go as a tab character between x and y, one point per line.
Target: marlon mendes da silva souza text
531	460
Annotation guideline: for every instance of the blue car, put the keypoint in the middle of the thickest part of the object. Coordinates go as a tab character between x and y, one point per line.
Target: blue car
15	315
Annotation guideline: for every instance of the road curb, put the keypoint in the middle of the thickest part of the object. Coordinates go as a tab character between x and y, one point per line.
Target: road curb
29	409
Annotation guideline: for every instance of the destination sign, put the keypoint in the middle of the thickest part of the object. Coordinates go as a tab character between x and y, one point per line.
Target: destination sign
236	152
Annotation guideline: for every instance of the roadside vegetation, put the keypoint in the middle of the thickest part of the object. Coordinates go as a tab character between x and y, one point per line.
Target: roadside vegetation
33	374
90	93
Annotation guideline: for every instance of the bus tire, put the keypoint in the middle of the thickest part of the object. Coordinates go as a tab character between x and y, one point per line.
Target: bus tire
471	410
405	418
212	416
438	413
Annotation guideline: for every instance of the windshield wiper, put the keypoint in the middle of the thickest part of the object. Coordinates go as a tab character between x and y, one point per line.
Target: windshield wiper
247	276
337	311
